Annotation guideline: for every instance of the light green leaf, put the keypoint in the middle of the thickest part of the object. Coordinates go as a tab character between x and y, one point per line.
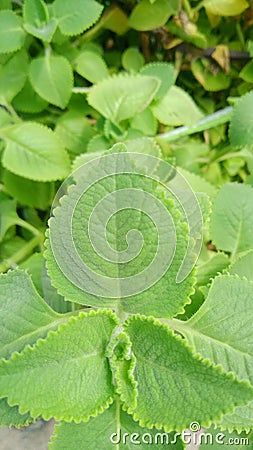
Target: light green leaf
74	130
107	431
37	21
91	66
210	268
176	108
33	151
105	285
120	97
225	7
241	127
210	80
240	420
162	70
28	192
145	122
247	72
12	35
25	317
13	75
52	78
147	17
173	385
76	16
34	265
243	266
132	59
221	330
231	224
5	118
27	100
215	439
10	417
63	379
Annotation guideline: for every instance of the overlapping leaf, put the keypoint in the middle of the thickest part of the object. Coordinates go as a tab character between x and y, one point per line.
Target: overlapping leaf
53	379
175	388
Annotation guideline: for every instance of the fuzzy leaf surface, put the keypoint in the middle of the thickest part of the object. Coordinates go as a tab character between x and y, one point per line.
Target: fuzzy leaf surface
231	224
62	367
221	330
52	78
165	369
121	97
76	16
105	430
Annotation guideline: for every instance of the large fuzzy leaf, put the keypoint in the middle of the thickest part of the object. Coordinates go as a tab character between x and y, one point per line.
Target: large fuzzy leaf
109	200
173	385
241	128
33	151
65	376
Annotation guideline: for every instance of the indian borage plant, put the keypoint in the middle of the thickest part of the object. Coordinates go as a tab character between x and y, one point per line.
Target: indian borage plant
32	184
123	364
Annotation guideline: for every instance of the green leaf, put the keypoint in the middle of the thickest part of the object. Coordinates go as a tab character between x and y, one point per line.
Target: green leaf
77	16
8	216
34	266
162	70
225	7
10	417
28	192
212	81
176	108
28	101
52	78
69	270
63	379
241	128
243	266
13	75
145	122
113	427
221	328
165	368
91	66
25	317
215	439
240	420
231	224
12	35
147	17
74	130
33	151
210	268
120	97
132	59
247	72
36	20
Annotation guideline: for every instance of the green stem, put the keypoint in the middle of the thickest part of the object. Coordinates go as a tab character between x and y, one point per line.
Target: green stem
187	8
20	254
218	118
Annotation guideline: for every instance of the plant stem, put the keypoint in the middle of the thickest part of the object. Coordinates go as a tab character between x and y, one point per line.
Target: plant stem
80	90
20	254
218	118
